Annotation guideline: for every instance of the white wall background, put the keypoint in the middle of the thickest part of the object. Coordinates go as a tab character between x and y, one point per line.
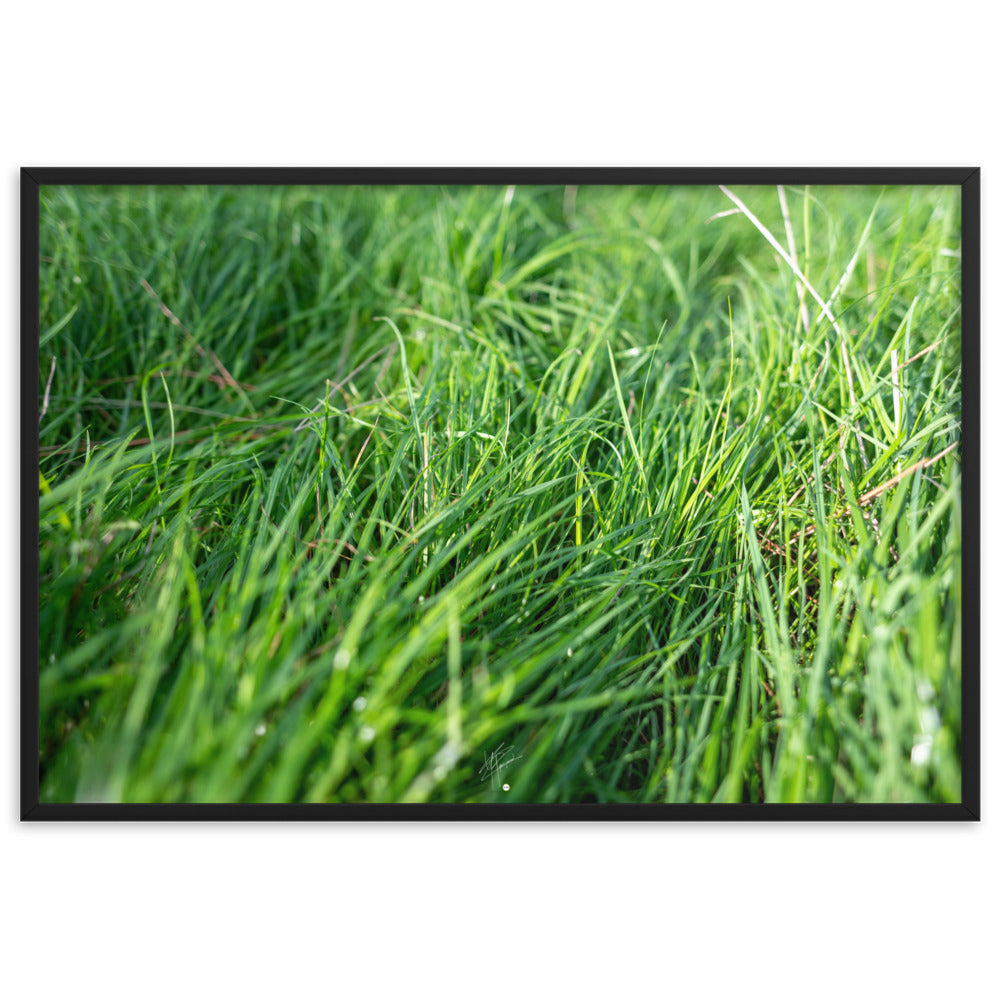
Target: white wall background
483	911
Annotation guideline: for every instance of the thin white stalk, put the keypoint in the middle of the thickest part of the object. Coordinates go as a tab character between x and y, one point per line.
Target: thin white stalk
800	288
722	215
48	386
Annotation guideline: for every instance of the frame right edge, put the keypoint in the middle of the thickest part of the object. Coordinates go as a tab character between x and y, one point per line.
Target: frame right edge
971	623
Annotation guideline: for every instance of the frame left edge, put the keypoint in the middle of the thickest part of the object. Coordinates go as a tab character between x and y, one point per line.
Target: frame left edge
30	338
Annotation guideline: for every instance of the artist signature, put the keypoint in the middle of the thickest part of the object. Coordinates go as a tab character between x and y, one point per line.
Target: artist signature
495	762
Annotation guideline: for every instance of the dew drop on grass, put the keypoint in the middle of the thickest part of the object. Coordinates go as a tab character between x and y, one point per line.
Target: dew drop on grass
367	734
506	788
569	652
359	703
342	659
260	730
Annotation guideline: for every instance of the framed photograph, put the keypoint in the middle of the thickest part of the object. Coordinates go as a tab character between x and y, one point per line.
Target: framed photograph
500	494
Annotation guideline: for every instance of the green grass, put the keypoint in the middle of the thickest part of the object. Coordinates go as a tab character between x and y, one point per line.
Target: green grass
347	492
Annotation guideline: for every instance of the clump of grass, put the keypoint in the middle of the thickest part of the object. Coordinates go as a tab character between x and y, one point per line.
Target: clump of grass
494	494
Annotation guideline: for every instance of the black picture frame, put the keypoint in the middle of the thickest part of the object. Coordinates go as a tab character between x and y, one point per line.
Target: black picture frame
968	179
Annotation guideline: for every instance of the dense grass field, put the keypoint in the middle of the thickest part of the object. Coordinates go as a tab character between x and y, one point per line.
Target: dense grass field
534	494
